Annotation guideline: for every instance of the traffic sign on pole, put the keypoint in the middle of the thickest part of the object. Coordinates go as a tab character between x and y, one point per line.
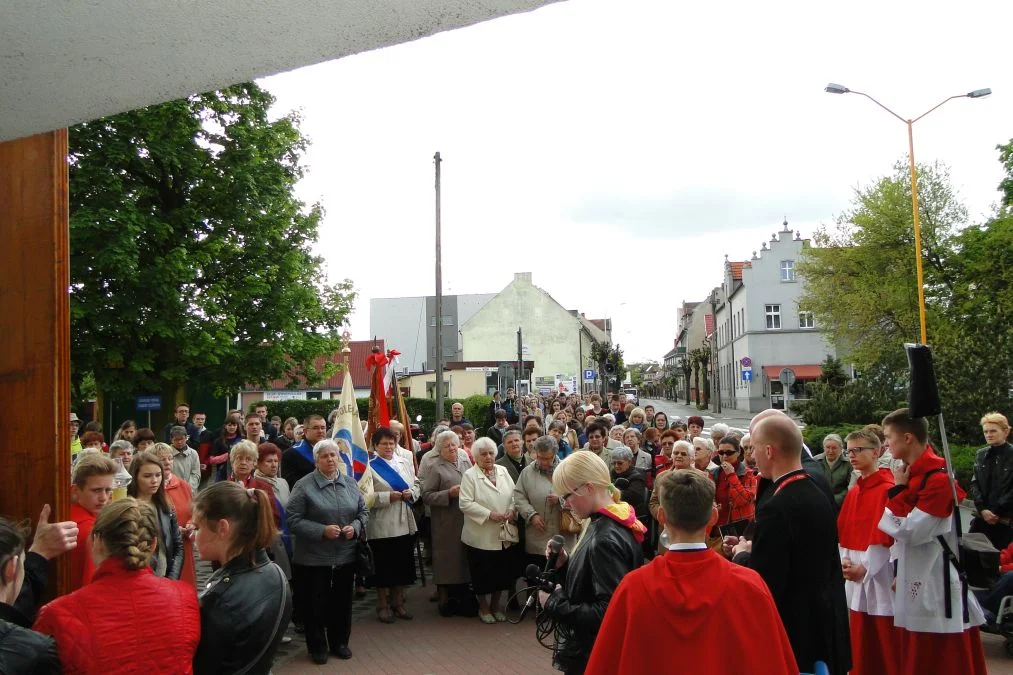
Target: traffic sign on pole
787	377
589	375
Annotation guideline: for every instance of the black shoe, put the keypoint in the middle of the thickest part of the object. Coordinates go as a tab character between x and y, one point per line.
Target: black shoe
319	658
342	652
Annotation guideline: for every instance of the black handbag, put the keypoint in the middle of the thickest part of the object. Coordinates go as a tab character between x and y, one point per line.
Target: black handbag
364	566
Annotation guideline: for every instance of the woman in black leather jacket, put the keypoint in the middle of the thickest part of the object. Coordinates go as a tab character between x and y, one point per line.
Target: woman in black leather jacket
246	605
612	540
22	650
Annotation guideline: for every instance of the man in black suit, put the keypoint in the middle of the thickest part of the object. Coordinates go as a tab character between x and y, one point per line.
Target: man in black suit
795	550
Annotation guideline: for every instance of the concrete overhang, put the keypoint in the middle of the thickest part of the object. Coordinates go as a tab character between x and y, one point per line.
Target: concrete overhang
69	61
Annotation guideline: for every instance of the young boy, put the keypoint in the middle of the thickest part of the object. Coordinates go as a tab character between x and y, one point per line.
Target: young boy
686	608
934	635
92	490
865	559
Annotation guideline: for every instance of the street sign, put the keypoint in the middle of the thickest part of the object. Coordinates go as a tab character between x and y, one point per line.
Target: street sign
787	377
746	362
149	402
589	375
747	375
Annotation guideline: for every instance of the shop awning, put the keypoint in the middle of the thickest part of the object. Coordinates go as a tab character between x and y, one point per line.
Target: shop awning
809	372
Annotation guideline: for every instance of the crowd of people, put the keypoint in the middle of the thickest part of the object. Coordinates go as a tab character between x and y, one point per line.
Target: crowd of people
661	535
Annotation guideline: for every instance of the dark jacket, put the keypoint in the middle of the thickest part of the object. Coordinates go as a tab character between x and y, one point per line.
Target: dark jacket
239	614
795	551
815	471
607	552
838	475
170	537
34	588
22	650
636	493
294	466
513	468
192	433
496	434
992	480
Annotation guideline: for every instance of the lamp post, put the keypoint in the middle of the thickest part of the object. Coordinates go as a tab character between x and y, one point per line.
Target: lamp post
977	93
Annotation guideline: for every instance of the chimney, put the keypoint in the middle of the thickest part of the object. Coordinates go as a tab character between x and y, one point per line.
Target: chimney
523	276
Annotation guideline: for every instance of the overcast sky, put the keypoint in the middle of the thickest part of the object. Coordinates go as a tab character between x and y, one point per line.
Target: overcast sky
619	150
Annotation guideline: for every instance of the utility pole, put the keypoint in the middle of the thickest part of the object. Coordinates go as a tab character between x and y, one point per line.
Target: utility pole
520	357
439	299
716	367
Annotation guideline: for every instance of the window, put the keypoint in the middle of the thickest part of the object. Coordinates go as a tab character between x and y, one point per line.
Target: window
773	314
787	270
448	320
805	320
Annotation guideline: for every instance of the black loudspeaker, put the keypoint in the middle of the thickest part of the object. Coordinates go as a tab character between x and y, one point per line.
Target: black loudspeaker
923	394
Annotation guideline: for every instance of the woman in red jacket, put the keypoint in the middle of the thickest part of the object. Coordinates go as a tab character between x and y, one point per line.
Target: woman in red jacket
734	486
96	627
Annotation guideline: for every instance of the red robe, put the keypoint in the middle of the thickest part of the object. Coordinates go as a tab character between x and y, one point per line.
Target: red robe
872	631
924	652
682	611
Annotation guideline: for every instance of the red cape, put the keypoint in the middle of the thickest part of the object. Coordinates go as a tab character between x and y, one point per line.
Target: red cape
694	612
82	567
858	521
935	499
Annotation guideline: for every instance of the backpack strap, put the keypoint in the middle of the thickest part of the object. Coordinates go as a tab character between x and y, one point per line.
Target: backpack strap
925	477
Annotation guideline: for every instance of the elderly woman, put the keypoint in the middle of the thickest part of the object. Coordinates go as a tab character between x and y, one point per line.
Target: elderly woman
441	488
486	500
641	458
243	458
681	457
704	452
392	528
747	453
122	449
537	503
326	513
514	458
268	465
634	492
835	468
734	486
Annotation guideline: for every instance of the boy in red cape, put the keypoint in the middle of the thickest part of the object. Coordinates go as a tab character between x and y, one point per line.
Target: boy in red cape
692	601
92	490
865	559
934	635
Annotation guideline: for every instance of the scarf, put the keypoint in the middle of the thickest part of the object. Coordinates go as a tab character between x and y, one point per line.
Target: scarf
273	482
623	513
547	472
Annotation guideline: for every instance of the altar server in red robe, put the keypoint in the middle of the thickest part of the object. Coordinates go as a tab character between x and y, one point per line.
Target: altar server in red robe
865	559
681	611
934	635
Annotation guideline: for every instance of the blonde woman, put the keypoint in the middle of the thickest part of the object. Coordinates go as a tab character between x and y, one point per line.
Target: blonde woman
486	500
609	548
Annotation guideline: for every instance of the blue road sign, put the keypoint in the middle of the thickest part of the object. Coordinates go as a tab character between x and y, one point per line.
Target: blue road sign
589	375
747	376
149	402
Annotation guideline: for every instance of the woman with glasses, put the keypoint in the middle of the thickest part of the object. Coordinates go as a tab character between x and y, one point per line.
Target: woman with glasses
734	487
608	549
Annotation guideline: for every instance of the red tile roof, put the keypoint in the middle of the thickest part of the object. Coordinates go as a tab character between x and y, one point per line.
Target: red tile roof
737	270
356	365
708	323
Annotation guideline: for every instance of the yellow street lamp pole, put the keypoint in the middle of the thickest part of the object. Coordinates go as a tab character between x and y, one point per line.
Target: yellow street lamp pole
977	93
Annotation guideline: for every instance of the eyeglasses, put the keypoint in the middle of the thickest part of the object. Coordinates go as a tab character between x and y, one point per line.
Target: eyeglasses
728	453
568	495
853	452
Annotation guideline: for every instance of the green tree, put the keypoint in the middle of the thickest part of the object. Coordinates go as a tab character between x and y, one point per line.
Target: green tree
832	372
190	256
860	275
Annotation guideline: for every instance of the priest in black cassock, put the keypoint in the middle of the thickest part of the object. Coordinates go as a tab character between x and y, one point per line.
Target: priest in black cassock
795	550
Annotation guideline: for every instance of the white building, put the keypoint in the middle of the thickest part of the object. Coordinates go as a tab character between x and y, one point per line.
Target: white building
760	330
409	326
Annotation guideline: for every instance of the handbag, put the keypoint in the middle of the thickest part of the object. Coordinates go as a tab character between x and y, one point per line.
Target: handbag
508	533
364	565
567	523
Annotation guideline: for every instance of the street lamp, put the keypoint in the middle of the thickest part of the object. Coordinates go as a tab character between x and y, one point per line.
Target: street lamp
833	88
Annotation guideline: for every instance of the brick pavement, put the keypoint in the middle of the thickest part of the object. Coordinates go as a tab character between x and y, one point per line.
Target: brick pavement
427	644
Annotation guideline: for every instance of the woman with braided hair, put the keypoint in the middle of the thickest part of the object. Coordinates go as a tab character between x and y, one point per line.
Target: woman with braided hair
95	627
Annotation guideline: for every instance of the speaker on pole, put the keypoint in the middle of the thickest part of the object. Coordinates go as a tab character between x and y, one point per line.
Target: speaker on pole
923	392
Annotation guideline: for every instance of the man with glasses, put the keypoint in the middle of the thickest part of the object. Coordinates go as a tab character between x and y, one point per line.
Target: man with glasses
297	461
865	558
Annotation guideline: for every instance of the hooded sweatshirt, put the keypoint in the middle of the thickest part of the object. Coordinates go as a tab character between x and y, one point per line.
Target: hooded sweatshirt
696	604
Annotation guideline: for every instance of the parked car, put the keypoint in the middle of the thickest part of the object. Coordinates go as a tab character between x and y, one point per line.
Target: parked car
632	395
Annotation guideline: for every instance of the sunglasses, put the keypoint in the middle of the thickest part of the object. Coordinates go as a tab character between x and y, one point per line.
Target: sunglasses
728	453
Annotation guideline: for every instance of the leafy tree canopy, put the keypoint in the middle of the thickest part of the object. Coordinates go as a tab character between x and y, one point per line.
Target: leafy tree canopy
190	256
